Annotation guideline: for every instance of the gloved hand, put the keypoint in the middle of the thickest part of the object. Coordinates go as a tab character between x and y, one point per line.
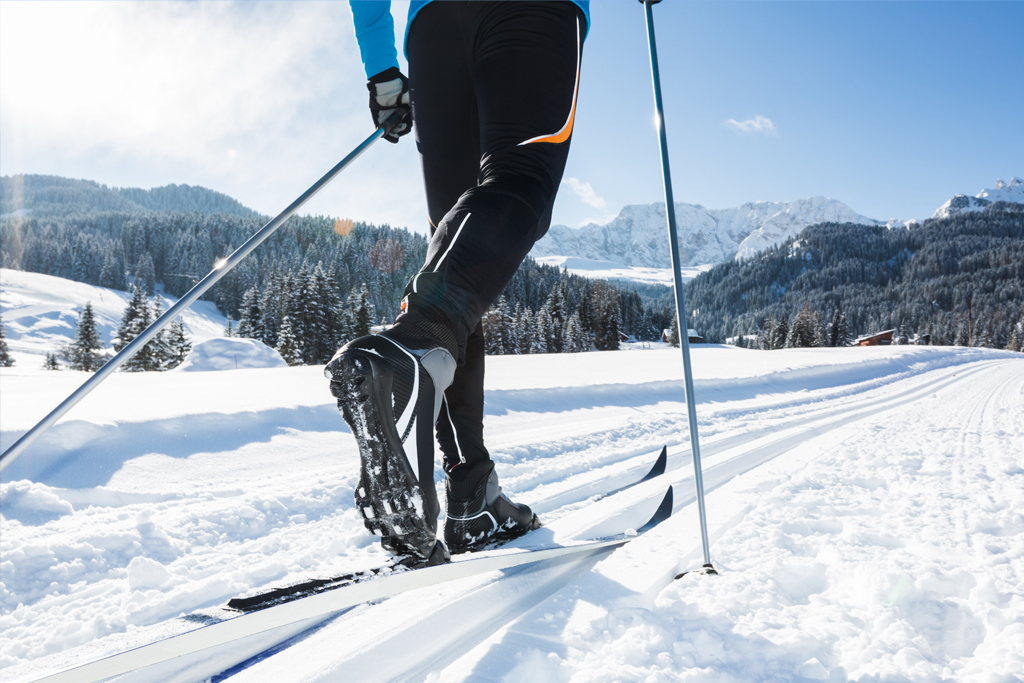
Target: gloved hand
389	92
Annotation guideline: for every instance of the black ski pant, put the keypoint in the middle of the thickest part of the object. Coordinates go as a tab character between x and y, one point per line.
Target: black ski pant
493	88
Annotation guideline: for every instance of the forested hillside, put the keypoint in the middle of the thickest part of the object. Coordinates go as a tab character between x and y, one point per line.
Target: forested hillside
41	195
321	273
959	280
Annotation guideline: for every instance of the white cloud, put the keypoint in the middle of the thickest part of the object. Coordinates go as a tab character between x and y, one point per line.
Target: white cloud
586	193
758	124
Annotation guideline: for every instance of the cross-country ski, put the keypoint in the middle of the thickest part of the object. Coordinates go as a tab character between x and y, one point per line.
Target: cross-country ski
557	341
266	598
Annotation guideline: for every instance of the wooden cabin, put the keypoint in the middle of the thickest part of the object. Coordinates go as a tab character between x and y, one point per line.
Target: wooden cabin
877	339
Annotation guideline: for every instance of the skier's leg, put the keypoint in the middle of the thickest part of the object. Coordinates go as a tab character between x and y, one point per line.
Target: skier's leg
525	61
448	138
460	428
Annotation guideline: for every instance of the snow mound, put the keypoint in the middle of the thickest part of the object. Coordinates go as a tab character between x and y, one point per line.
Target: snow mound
41	311
231	353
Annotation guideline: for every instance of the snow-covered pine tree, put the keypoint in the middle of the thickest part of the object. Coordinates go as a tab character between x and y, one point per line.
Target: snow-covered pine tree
780	333
161	343
85	352
821	335
573	335
540	323
145	274
301	311
324	329
793	336
833	329
1015	339
554	314
135	319
962	337
606	317
802	331
113	273
673	333
51	361
362	311
843	337
178	344
901	337
229	329
498	330
585	309
288	345
766	333
270	312
982	336
250	318
6	360
526	330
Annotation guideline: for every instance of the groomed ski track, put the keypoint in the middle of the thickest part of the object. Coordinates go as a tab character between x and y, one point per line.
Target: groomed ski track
756	434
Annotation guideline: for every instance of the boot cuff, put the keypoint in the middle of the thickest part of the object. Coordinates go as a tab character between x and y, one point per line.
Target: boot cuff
465	481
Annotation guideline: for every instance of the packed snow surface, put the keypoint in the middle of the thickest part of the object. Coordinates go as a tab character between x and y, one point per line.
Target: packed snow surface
41	312
865	509
231	353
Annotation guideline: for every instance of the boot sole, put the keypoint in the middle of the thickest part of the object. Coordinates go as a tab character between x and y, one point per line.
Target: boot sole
388	495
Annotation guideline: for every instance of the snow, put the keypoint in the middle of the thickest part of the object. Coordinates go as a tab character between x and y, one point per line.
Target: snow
610	270
636	237
231	353
1012	192
40	313
632	246
864	506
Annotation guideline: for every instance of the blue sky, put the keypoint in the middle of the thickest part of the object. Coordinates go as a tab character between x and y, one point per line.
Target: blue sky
889	107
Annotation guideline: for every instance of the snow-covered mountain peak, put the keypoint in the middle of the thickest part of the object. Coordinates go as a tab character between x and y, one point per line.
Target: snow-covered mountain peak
636	237
1012	192
1014	182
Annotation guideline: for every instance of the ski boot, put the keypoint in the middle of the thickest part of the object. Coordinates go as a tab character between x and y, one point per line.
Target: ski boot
478	512
390	394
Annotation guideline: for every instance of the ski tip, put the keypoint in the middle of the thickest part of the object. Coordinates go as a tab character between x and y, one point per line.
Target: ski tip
659	465
663	512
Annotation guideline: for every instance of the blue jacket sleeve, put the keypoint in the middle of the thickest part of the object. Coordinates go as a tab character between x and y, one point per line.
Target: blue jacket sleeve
375	33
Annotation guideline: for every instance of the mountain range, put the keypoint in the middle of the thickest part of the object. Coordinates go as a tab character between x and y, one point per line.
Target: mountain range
636	237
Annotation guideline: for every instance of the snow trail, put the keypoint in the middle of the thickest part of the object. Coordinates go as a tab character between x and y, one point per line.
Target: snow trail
248	482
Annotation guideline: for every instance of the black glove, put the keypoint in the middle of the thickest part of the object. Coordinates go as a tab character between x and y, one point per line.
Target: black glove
389	93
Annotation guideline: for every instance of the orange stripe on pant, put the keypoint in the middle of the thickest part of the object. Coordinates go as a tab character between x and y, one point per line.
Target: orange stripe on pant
563	134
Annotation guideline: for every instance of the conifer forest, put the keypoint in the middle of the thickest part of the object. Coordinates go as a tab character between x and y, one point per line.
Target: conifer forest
315	284
321	281
956	280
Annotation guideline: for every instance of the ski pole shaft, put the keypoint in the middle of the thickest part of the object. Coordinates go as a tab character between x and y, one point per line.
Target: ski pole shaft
677	281
220	269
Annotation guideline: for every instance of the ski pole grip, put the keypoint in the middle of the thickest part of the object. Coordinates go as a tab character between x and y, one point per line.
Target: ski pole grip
388	124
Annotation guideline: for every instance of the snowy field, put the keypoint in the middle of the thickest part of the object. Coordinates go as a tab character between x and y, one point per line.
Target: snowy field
866	510
41	311
610	270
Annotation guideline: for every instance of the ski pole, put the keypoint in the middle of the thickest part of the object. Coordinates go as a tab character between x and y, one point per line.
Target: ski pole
220	269
677	281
